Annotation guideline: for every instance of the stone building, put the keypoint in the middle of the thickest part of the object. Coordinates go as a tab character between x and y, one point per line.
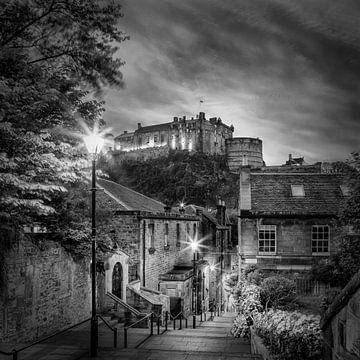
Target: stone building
156	240
139	239
340	324
214	256
286	219
210	136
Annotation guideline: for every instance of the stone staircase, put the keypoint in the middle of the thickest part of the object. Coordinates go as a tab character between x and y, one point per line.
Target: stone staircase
210	340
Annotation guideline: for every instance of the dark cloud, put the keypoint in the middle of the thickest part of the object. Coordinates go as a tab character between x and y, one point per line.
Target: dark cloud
282	70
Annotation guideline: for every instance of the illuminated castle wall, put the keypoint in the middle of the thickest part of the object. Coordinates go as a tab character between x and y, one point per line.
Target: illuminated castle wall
207	136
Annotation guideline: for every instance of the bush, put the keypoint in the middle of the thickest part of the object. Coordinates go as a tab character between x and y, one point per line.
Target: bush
289	335
249	304
277	291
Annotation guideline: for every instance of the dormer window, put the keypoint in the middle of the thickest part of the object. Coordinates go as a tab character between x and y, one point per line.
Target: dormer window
297	190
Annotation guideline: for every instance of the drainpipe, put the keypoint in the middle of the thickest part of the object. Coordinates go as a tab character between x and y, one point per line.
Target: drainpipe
144	252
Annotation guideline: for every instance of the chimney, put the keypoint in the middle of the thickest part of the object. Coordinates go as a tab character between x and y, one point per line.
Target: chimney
184	118
167	209
290	159
245	188
125	132
139	125
176	119
201	115
199	212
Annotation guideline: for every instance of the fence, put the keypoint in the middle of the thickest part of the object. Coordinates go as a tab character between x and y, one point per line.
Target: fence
310	287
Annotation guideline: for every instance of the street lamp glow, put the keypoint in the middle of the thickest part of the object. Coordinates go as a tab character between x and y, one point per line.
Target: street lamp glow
94	143
194	245
212	267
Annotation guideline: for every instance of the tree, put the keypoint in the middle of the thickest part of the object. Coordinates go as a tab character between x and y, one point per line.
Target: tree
341	266
54	57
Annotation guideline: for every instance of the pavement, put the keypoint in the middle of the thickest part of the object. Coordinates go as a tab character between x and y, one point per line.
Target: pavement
210	340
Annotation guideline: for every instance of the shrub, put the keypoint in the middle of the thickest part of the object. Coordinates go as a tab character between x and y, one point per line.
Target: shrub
249	304
289	335
277	291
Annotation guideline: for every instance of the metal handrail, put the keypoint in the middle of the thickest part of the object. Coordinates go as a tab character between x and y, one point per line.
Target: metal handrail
113	329
151	315
15	352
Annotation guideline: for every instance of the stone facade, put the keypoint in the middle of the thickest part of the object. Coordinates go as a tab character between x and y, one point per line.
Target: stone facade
46	290
210	136
340	324
287	220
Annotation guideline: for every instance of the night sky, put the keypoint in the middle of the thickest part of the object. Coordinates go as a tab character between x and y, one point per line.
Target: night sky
286	71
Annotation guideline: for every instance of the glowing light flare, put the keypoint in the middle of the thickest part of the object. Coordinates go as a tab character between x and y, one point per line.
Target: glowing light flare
194	244
94	143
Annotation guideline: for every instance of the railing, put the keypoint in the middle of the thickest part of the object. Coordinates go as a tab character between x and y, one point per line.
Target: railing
113	329
123	304
14	352
180	316
148	316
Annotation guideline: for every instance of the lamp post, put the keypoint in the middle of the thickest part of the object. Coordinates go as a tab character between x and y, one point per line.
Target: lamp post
93	144
194	246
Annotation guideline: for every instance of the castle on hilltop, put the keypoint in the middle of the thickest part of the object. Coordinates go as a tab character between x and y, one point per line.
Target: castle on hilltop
198	134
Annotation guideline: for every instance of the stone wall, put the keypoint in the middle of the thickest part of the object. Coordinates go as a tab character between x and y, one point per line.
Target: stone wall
162	257
244	151
293	242
45	290
140	154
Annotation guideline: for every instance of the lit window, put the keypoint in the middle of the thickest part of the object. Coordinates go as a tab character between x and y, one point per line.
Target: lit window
267	239
320	237
297	190
166	237
151	235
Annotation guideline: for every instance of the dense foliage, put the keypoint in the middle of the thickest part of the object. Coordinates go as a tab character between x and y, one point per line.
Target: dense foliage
342	265
53	56
289	335
196	178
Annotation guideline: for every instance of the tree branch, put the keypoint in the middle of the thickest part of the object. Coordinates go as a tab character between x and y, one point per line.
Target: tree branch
21	30
49	57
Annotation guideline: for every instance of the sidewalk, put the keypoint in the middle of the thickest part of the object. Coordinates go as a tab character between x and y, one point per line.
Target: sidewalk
210	340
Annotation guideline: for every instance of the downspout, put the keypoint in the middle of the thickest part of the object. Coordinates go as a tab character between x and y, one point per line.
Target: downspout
239	226
144	252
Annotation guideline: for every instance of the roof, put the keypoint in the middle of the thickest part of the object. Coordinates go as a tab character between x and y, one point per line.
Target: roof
128	199
341	300
271	193
158	127
211	216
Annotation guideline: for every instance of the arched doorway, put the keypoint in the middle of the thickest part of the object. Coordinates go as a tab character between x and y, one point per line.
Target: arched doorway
117	280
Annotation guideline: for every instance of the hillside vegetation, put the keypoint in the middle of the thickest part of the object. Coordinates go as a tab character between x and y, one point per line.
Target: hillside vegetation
192	178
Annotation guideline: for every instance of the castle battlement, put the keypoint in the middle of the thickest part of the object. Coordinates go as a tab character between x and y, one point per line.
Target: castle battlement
210	136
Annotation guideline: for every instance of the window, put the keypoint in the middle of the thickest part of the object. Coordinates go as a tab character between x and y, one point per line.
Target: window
166	233
320	236
178	235
267	239
151	235
195	232
162	138
147	139
155	138
297	190
342	334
